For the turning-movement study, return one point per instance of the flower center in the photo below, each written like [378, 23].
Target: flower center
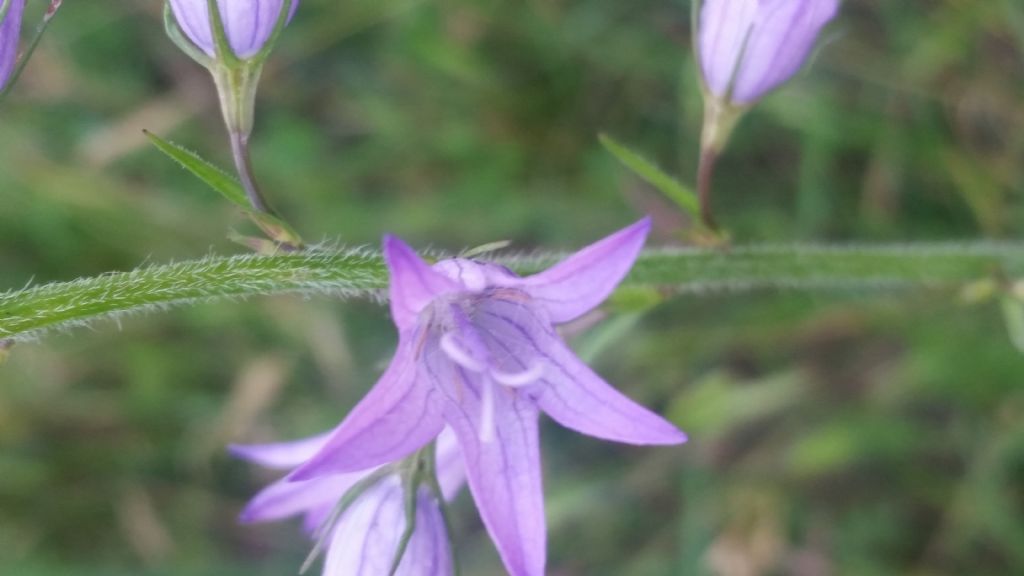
[464, 346]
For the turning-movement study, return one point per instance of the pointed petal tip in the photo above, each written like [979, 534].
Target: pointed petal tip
[252, 513]
[677, 437]
[394, 246]
[240, 451]
[665, 434]
[641, 228]
[247, 516]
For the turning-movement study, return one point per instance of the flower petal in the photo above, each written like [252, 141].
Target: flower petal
[312, 497]
[414, 284]
[568, 390]
[782, 37]
[582, 281]
[398, 416]
[250, 25]
[193, 18]
[505, 476]
[247, 25]
[281, 455]
[451, 472]
[10, 31]
[723, 30]
[577, 398]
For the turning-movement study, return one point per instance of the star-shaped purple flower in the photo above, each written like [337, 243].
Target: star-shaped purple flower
[478, 350]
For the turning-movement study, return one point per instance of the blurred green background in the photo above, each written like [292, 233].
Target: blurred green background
[830, 433]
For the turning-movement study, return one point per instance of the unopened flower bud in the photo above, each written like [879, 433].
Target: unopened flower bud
[231, 38]
[248, 24]
[749, 47]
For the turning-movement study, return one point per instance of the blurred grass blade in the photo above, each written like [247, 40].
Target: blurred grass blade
[653, 175]
[1013, 315]
[228, 187]
[51, 11]
[1015, 18]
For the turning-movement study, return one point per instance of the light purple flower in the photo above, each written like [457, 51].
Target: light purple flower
[365, 538]
[478, 350]
[248, 24]
[749, 47]
[10, 30]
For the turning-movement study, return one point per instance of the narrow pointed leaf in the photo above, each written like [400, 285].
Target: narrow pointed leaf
[225, 184]
[649, 172]
[211, 175]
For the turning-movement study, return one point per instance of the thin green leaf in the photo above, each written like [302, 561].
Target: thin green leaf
[227, 185]
[653, 175]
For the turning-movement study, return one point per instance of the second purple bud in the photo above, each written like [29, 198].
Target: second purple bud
[749, 47]
[248, 24]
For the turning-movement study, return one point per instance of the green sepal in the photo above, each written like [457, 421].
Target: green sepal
[221, 46]
[410, 489]
[485, 249]
[258, 245]
[178, 38]
[228, 187]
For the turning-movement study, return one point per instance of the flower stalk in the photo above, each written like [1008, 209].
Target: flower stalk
[746, 48]
[225, 40]
[28, 313]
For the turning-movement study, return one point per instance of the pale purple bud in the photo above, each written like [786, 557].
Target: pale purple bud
[10, 30]
[367, 539]
[749, 47]
[248, 24]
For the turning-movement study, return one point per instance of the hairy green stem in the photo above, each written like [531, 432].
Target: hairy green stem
[27, 313]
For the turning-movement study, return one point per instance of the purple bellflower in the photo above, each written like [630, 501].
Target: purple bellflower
[478, 351]
[248, 24]
[749, 47]
[10, 30]
[365, 539]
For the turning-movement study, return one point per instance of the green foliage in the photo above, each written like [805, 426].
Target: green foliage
[856, 431]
